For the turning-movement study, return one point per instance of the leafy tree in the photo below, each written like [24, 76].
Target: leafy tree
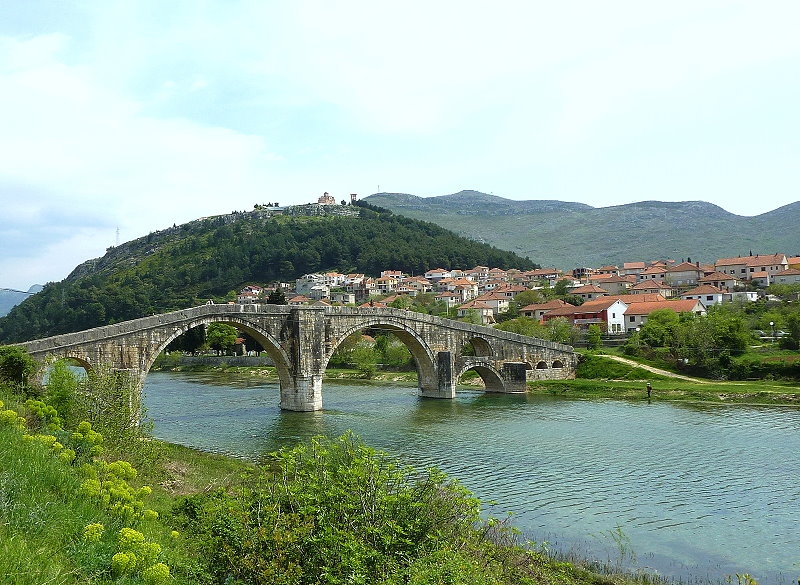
[60, 390]
[221, 336]
[16, 366]
[594, 336]
[561, 331]
[660, 329]
[525, 326]
[561, 287]
[528, 297]
[277, 297]
[793, 328]
[365, 359]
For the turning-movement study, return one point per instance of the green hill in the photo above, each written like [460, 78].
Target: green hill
[566, 235]
[187, 264]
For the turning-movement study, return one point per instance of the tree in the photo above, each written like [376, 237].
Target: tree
[16, 366]
[793, 326]
[277, 297]
[60, 390]
[528, 297]
[365, 359]
[561, 331]
[221, 336]
[561, 287]
[336, 511]
[594, 336]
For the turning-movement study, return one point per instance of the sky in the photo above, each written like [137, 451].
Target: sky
[118, 119]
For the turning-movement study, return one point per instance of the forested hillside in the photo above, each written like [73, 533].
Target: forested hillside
[188, 264]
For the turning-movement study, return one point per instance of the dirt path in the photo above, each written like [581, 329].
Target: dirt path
[655, 370]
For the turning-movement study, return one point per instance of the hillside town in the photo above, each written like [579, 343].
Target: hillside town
[618, 299]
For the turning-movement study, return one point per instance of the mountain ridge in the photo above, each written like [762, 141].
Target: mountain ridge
[566, 235]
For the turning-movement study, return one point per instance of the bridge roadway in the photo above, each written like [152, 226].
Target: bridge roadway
[301, 341]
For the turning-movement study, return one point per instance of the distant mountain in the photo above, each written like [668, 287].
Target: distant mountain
[185, 265]
[565, 235]
[9, 298]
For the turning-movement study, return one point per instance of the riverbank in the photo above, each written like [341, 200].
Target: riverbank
[43, 551]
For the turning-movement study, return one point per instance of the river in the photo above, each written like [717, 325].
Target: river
[688, 491]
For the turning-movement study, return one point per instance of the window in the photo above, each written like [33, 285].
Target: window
[632, 319]
[710, 298]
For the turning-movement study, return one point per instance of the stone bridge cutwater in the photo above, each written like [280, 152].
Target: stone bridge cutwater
[301, 340]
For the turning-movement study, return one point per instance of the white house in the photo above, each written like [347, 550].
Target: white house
[710, 295]
[483, 310]
[437, 274]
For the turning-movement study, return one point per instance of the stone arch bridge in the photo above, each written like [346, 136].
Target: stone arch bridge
[301, 340]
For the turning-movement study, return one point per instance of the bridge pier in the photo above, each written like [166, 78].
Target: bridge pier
[445, 385]
[304, 395]
[515, 377]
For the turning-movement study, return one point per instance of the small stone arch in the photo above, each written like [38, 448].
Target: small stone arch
[492, 380]
[541, 365]
[558, 364]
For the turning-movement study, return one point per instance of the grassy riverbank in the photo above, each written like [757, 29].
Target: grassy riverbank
[54, 529]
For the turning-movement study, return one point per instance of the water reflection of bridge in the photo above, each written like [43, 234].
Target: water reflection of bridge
[301, 341]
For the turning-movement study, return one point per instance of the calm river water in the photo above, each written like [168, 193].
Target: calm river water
[693, 492]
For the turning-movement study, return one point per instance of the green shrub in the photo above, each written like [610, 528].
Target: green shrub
[331, 511]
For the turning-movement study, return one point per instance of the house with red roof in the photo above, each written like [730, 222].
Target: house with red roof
[496, 300]
[648, 287]
[684, 274]
[632, 268]
[636, 314]
[451, 299]
[641, 298]
[655, 272]
[751, 267]
[588, 292]
[298, 301]
[437, 274]
[724, 282]
[537, 310]
[788, 276]
[614, 285]
[607, 312]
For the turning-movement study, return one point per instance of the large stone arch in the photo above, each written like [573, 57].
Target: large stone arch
[421, 352]
[270, 344]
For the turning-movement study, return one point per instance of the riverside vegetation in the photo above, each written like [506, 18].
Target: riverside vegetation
[74, 508]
